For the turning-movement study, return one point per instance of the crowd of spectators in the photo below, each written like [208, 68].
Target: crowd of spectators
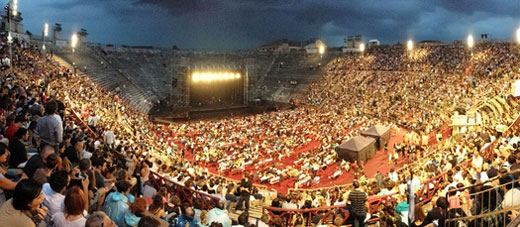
[57, 171]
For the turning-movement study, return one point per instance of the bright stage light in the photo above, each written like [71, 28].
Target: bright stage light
[213, 76]
[195, 77]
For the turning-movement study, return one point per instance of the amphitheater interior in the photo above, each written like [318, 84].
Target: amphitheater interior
[143, 76]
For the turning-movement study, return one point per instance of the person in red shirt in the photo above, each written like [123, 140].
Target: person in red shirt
[13, 127]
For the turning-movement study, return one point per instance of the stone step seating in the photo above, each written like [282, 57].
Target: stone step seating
[110, 78]
[135, 95]
[145, 69]
[255, 212]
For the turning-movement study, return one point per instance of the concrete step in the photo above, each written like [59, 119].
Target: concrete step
[255, 212]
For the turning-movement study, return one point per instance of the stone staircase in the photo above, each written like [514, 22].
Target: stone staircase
[255, 212]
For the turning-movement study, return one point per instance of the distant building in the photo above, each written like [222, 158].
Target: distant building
[82, 36]
[352, 43]
[314, 47]
[57, 40]
[373, 42]
[15, 25]
[283, 45]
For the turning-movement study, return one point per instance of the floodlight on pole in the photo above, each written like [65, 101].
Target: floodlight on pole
[74, 41]
[518, 35]
[409, 45]
[45, 34]
[45, 30]
[471, 41]
[362, 47]
[15, 7]
[321, 49]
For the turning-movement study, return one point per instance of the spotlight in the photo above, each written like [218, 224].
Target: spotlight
[518, 35]
[362, 47]
[470, 41]
[321, 49]
[195, 77]
[409, 45]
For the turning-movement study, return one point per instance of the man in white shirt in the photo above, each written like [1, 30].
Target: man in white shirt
[290, 204]
[393, 175]
[511, 195]
[92, 120]
[52, 193]
[109, 138]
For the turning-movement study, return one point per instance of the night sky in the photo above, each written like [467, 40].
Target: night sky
[244, 24]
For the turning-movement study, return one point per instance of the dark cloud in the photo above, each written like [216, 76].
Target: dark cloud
[249, 23]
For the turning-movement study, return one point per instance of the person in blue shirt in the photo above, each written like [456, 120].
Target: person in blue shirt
[116, 203]
[187, 218]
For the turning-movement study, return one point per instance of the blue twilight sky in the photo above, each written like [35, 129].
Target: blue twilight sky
[242, 24]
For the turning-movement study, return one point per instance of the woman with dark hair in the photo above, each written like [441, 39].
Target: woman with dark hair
[157, 206]
[5, 184]
[419, 216]
[173, 207]
[42, 174]
[31, 131]
[24, 208]
[17, 148]
[148, 221]
[74, 210]
[438, 214]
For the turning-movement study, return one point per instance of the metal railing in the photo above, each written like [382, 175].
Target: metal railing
[321, 214]
[489, 207]
[184, 193]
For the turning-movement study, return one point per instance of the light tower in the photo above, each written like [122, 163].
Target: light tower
[518, 35]
[409, 45]
[471, 43]
[321, 50]
[409, 48]
[45, 34]
[74, 42]
[12, 11]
